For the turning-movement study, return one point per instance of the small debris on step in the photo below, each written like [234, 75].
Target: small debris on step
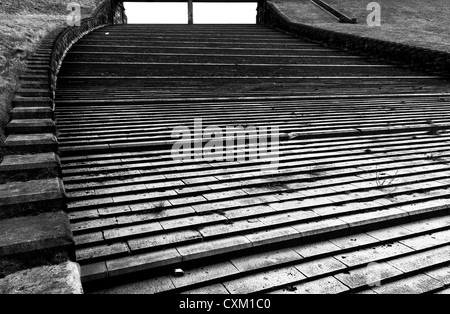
[291, 288]
[178, 272]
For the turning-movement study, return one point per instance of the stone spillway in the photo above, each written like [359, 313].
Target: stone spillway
[360, 195]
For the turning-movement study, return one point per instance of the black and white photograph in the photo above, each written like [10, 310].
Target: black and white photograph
[222, 155]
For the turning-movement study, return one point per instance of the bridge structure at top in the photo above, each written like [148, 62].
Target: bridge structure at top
[190, 4]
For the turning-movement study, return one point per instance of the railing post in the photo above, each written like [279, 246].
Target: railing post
[190, 12]
[112, 14]
[261, 12]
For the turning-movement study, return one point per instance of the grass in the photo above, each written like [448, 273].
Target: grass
[23, 24]
[415, 22]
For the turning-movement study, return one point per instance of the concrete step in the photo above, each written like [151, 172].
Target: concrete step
[31, 197]
[34, 92]
[28, 167]
[20, 102]
[351, 263]
[73, 58]
[35, 241]
[363, 147]
[32, 113]
[38, 66]
[35, 85]
[31, 126]
[41, 280]
[31, 143]
[35, 77]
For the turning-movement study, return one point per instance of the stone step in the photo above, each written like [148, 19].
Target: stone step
[35, 61]
[37, 58]
[40, 73]
[31, 197]
[35, 85]
[34, 66]
[76, 58]
[33, 78]
[444, 291]
[34, 92]
[39, 54]
[62, 279]
[29, 167]
[32, 113]
[227, 244]
[348, 126]
[418, 284]
[35, 241]
[31, 126]
[373, 257]
[31, 143]
[26, 102]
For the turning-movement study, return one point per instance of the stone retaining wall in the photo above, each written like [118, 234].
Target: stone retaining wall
[108, 13]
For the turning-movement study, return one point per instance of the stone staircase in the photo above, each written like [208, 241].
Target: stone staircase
[36, 241]
[360, 196]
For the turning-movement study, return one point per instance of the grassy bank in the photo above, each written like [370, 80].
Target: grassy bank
[23, 24]
[416, 22]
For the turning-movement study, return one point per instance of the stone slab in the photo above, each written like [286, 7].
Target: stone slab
[149, 286]
[215, 247]
[389, 233]
[95, 271]
[26, 165]
[26, 102]
[273, 236]
[48, 231]
[316, 248]
[34, 92]
[372, 275]
[31, 126]
[446, 292]
[374, 217]
[26, 198]
[263, 280]
[354, 241]
[320, 266]
[31, 143]
[373, 254]
[327, 285]
[321, 227]
[204, 274]
[165, 239]
[265, 259]
[142, 262]
[56, 279]
[412, 285]
[441, 274]
[422, 260]
[101, 251]
[213, 289]
[428, 240]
